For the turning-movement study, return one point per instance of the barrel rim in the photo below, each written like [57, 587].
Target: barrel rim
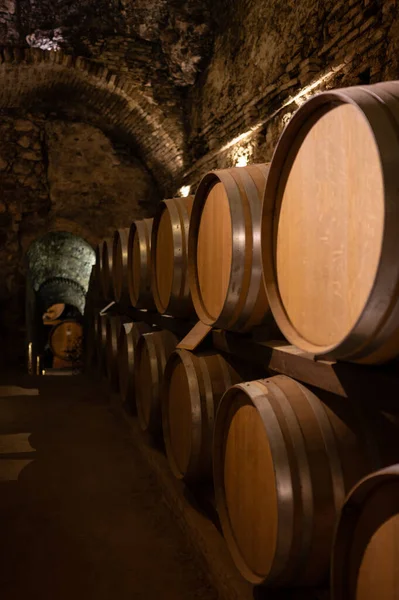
[355, 345]
[53, 330]
[119, 256]
[347, 522]
[107, 266]
[187, 359]
[244, 199]
[180, 293]
[281, 472]
[144, 298]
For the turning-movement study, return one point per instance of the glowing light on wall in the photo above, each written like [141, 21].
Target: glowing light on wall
[185, 190]
[242, 161]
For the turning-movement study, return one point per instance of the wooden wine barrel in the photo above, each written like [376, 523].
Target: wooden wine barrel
[330, 226]
[193, 387]
[152, 353]
[365, 555]
[119, 265]
[225, 263]
[113, 328]
[139, 264]
[169, 251]
[106, 270]
[127, 342]
[284, 461]
[65, 340]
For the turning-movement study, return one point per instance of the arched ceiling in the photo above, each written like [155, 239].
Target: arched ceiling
[123, 65]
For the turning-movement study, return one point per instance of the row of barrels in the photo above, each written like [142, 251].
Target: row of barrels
[312, 238]
[283, 458]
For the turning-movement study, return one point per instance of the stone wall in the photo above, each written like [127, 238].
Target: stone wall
[268, 53]
[65, 176]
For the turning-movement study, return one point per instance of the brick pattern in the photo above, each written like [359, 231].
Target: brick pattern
[121, 107]
[269, 52]
[58, 176]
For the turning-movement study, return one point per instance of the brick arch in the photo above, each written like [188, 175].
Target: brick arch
[30, 73]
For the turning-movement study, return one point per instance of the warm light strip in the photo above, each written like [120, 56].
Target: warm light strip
[292, 100]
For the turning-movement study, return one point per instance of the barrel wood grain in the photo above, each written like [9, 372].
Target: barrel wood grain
[330, 225]
[139, 264]
[169, 257]
[284, 460]
[365, 553]
[225, 270]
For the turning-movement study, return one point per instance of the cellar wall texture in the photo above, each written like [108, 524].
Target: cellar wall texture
[59, 176]
[268, 58]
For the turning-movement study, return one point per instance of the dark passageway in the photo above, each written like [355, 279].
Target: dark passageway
[80, 516]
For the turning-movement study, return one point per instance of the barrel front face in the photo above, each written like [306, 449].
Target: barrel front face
[169, 257]
[245, 483]
[139, 264]
[192, 389]
[128, 339]
[214, 252]
[164, 262]
[225, 266]
[113, 327]
[107, 259]
[119, 264]
[152, 353]
[365, 553]
[179, 420]
[328, 251]
[284, 460]
[66, 340]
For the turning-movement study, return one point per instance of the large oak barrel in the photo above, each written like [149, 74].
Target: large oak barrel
[128, 337]
[152, 353]
[169, 251]
[330, 227]
[106, 268]
[66, 340]
[284, 461]
[193, 387]
[139, 264]
[120, 265]
[225, 263]
[113, 327]
[366, 553]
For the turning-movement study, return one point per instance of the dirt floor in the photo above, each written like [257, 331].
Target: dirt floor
[80, 514]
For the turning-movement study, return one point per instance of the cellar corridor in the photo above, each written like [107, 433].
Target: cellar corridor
[80, 514]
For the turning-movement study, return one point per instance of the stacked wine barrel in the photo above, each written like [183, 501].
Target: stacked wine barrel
[308, 242]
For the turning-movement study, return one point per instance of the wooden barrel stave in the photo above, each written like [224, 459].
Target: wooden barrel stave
[120, 265]
[128, 338]
[169, 257]
[373, 334]
[241, 303]
[364, 557]
[106, 272]
[113, 326]
[66, 340]
[284, 460]
[152, 353]
[189, 402]
[139, 264]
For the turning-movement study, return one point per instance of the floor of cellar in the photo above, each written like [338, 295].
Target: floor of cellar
[81, 514]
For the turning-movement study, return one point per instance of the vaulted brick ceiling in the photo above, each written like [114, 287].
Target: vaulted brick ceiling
[155, 48]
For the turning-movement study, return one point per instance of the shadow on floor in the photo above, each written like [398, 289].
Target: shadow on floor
[80, 515]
